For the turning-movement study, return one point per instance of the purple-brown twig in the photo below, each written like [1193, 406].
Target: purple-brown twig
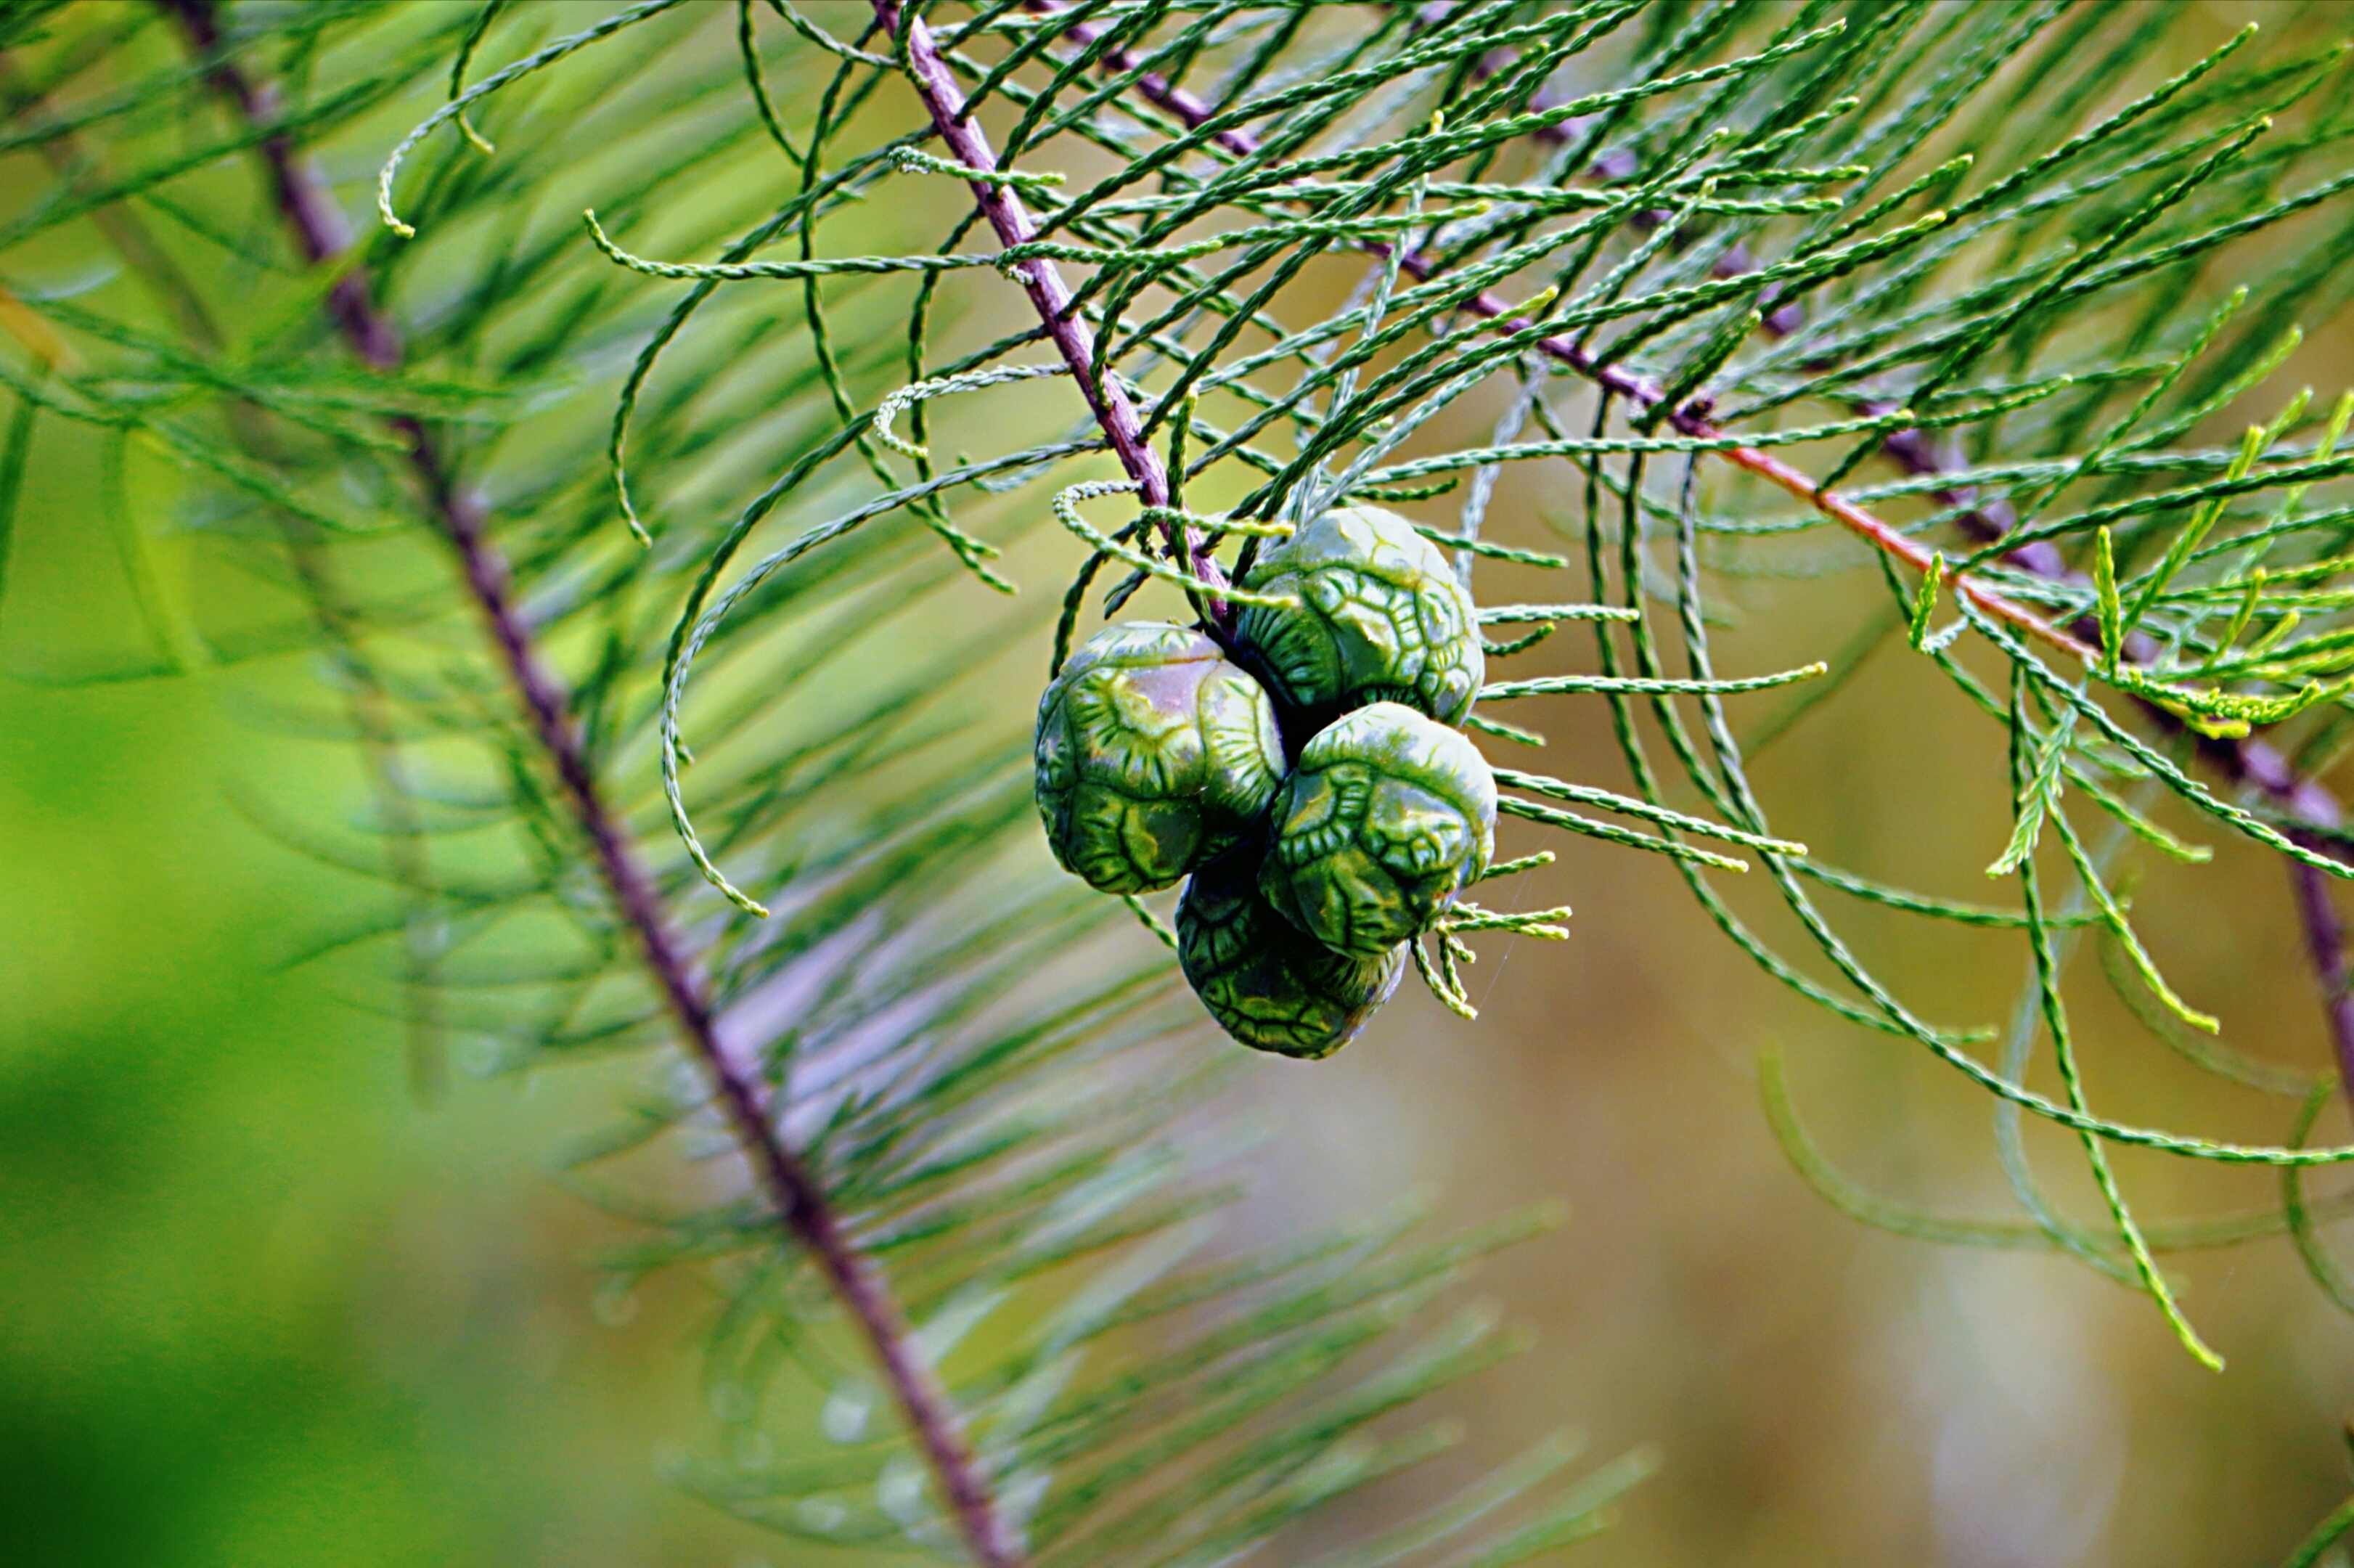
[1042, 281]
[321, 232]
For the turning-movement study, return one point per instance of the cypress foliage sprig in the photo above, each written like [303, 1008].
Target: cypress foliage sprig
[1981, 344]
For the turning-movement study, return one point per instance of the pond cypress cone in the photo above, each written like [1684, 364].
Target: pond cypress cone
[1386, 819]
[1153, 754]
[1381, 617]
[1268, 984]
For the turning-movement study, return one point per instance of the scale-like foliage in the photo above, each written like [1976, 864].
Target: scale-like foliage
[1953, 292]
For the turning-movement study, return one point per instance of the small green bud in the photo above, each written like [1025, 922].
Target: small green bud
[1386, 819]
[1382, 617]
[1271, 987]
[1153, 754]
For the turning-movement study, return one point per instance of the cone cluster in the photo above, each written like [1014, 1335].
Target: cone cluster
[1313, 786]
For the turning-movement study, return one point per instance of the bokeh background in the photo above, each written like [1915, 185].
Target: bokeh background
[263, 1302]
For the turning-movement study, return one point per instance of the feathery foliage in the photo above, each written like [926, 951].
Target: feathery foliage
[1794, 290]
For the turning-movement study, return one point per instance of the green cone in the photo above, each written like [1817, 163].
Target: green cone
[1382, 617]
[1269, 986]
[1153, 754]
[1388, 816]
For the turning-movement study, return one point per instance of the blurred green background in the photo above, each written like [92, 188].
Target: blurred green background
[262, 1303]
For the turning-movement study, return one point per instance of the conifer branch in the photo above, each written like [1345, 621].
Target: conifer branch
[2247, 761]
[1001, 202]
[1642, 393]
[1637, 390]
[1620, 383]
[321, 232]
